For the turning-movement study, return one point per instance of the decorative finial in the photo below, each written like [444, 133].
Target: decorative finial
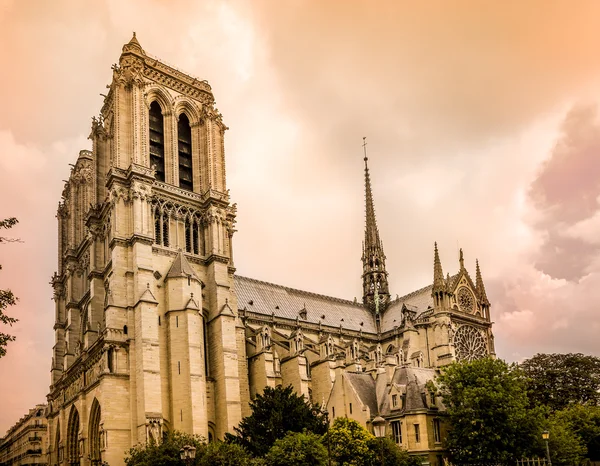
[365, 149]
[461, 259]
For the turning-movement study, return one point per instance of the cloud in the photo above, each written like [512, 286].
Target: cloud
[565, 194]
[30, 189]
[472, 141]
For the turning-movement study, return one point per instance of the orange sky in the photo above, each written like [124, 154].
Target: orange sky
[483, 133]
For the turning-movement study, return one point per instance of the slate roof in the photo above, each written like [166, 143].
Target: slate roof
[420, 300]
[181, 268]
[268, 298]
[413, 380]
[364, 386]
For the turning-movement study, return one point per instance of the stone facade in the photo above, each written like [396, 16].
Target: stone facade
[26, 442]
[155, 332]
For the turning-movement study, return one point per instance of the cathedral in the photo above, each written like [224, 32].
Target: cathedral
[155, 331]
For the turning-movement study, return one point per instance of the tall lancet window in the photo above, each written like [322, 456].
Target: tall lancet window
[157, 141]
[188, 235]
[184, 147]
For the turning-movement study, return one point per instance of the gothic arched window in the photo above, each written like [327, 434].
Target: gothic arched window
[184, 149]
[95, 434]
[195, 236]
[188, 235]
[73, 437]
[161, 226]
[165, 229]
[157, 140]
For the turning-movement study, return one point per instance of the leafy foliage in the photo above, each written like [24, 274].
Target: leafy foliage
[225, 454]
[165, 453]
[566, 448]
[584, 423]
[297, 449]
[559, 380]
[7, 298]
[488, 412]
[393, 455]
[351, 444]
[276, 412]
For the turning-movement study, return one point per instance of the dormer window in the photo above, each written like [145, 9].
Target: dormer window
[394, 401]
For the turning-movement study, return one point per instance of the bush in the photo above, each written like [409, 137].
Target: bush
[297, 449]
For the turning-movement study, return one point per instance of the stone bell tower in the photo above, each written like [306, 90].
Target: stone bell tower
[147, 332]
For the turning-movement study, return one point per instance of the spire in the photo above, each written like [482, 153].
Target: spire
[133, 45]
[479, 285]
[438, 274]
[375, 283]
[371, 231]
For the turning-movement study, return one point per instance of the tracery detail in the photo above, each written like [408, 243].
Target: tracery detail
[469, 343]
[466, 303]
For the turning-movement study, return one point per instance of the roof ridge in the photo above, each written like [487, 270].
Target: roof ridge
[309, 293]
[420, 290]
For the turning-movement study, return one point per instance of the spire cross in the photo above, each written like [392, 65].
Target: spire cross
[365, 149]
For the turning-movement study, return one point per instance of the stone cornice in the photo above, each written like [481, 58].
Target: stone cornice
[249, 317]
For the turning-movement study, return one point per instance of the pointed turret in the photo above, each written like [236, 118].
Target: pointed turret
[483, 299]
[438, 274]
[181, 268]
[439, 289]
[133, 45]
[375, 283]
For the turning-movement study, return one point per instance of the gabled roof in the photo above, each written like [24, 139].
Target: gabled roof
[181, 268]
[411, 381]
[148, 296]
[267, 299]
[364, 386]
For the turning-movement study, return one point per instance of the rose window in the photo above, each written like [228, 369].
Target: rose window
[469, 343]
[465, 300]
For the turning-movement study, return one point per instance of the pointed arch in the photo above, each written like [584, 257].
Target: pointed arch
[56, 454]
[94, 433]
[183, 105]
[156, 139]
[73, 437]
[184, 152]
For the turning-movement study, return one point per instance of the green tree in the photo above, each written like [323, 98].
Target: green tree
[297, 449]
[165, 453]
[559, 380]
[351, 444]
[566, 447]
[393, 455]
[276, 412]
[583, 422]
[7, 298]
[488, 412]
[225, 454]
